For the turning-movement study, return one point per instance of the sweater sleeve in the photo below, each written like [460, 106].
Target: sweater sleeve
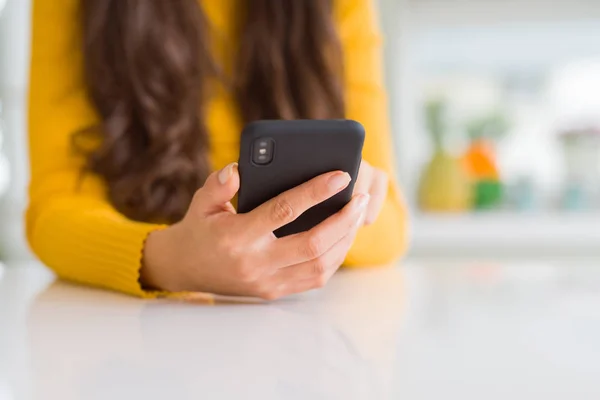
[71, 226]
[386, 240]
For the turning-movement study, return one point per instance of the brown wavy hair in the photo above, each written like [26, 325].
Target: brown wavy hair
[148, 69]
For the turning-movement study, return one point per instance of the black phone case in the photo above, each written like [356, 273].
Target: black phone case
[303, 150]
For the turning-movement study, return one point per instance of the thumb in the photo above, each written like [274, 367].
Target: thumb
[220, 187]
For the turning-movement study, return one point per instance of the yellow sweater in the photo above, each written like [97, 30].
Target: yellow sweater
[71, 225]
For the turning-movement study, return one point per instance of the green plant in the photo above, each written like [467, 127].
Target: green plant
[435, 115]
[492, 126]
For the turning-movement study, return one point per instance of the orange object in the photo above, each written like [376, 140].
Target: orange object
[480, 161]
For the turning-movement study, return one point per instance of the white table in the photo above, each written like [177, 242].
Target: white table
[422, 331]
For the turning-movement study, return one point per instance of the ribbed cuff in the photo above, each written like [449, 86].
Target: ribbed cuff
[89, 242]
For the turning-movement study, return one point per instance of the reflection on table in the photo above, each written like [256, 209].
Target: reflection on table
[337, 343]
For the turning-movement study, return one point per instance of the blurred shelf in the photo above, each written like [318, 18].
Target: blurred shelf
[478, 12]
[567, 234]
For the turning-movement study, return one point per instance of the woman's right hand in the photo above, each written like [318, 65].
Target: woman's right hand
[215, 250]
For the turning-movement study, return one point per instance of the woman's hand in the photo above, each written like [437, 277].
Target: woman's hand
[374, 182]
[215, 250]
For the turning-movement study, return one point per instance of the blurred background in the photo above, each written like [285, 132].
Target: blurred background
[496, 112]
[495, 108]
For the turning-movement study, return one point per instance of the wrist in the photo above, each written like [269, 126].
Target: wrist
[157, 272]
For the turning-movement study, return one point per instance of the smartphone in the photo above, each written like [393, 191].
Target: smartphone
[278, 155]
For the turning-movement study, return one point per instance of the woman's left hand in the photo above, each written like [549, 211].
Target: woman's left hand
[372, 181]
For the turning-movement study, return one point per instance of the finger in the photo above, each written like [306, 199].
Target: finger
[363, 181]
[321, 268]
[289, 205]
[378, 192]
[309, 245]
[309, 275]
[220, 187]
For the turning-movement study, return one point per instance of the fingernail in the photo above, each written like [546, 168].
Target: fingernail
[361, 220]
[225, 174]
[338, 181]
[362, 202]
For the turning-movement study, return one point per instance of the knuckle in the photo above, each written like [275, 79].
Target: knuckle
[257, 288]
[314, 246]
[226, 244]
[195, 208]
[319, 266]
[245, 271]
[282, 210]
[271, 296]
[268, 294]
[321, 281]
[315, 193]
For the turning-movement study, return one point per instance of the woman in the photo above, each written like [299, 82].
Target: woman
[134, 102]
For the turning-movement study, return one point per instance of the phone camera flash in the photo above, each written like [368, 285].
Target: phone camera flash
[263, 151]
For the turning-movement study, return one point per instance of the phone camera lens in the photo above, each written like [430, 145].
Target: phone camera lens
[263, 151]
